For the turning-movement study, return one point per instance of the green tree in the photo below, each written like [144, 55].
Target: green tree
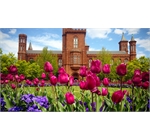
[47, 56]
[6, 61]
[105, 57]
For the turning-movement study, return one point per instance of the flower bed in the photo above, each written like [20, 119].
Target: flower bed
[14, 97]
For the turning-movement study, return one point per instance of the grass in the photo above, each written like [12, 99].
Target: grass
[63, 89]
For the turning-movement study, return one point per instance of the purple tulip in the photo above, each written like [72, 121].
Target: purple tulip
[121, 69]
[96, 66]
[106, 69]
[83, 71]
[53, 80]
[48, 67]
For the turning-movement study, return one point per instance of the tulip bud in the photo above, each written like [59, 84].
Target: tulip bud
[53, 80]
[69, 98]
[117, 96]
[48, 67]
[83, 71]
[13, 86]
[61, 70]
[106, 69]
[105, 82]
[104, 91]
[121, 69]
[96, 66]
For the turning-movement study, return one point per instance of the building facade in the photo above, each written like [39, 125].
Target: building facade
[75, 53]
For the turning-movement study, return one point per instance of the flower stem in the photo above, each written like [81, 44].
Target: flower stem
[121, 82]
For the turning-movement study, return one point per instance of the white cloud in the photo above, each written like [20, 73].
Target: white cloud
[110, 39]
[12, 31]
[93, 49]
[129, 31]
[3, 35]
[132, 30]
[143, 43]
[119, 31]
[98, 33]
[148, 32]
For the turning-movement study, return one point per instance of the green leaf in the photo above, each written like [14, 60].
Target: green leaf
[8, 102]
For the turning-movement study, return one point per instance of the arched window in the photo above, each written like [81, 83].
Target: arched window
[75, 42]
[60, 62]
[90, 60]
[20, 48]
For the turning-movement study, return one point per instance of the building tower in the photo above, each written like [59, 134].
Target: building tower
[132, 48]
[123, 44]
[22, 47]
[73, 50]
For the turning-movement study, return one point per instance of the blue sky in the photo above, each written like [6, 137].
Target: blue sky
[96, 38]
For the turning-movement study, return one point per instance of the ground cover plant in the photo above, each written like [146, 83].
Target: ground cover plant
[62, 93]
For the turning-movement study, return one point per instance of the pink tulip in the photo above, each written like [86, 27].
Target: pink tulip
[83, 71]
[63, 78]
[69, 98]
[13, 86]
[105, 82]
[53, 80]
[91, 83]
[106, 69]
[104, 91]
[83, 85]
[48, 67]
[22, 77]
[13, 69]
[43, 76]
[61, 70]
[71, 80]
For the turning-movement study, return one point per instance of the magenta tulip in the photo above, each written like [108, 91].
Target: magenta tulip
[42, 83]
[91, 83]
[63, 78]
[83, 71]
[61, 70]
[96, 66]
[43, 75]
[69, 98]
[146, 85]
[96, 90]
[22, 77]
[137, 79]
[10, 77]
[13, 86]
[117, 96]
[137, 72]
[104, 91]
[48, 67]
[129, 82]
[145, 76]
[53, 80]
[106, 69]
[13, 69]
[105, 82]
[83, 85]
[50, 74]
[28, 82]
[121, 69]
[71, 80]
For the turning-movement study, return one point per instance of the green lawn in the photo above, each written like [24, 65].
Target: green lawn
[75, 89]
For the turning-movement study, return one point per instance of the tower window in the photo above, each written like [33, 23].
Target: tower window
[60, 62]
[75, 42]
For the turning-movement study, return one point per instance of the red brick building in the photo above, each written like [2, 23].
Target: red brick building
[75, 52]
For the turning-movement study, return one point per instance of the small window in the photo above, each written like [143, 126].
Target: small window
[60, 62]
[90, 60]
[75, 42]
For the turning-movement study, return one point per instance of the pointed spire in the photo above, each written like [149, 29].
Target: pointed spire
[30, 46]
[132, 38]
[123, 38]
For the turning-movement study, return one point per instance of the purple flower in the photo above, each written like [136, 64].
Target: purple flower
[15, 109]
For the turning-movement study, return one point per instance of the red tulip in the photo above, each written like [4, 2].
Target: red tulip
[48, 67]
[146, 85]
[69, 98]
[96, 66]
[83, 71]
[121, 69]
[53, 80]
[106, 69]
[117, 96]
[105, 82]
[104, 91]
